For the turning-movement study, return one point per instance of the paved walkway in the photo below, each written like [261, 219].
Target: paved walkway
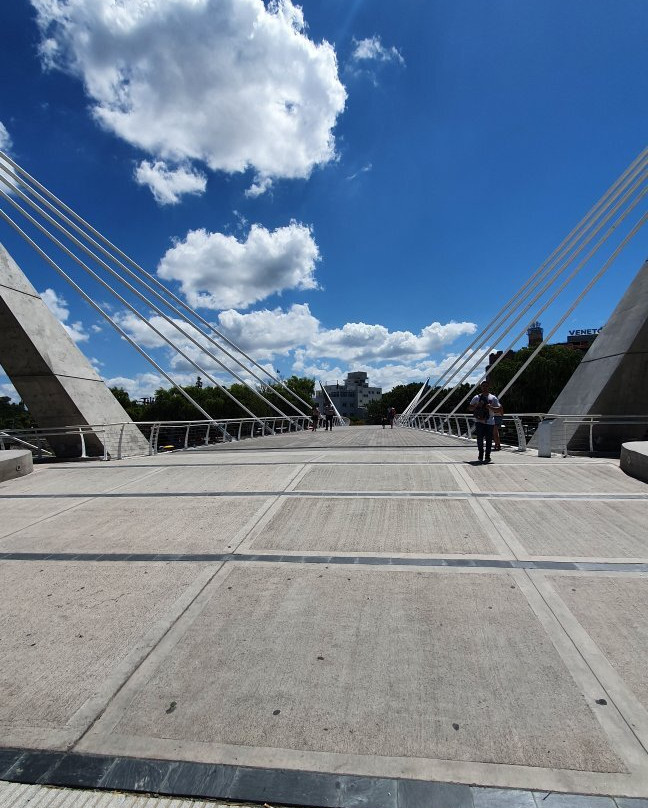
[323, 616]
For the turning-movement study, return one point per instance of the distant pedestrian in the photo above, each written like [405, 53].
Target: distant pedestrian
[315, 416]
[329, 414]
[484, 406]
[391, 414]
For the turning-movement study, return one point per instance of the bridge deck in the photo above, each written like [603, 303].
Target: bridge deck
[365, 602]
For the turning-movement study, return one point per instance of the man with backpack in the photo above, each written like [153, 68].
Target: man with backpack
[484, 407]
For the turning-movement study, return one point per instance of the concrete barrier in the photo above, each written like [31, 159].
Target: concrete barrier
[634, 459]
[15, 463]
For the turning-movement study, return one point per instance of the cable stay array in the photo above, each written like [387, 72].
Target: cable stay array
[181, 328]
[618, 215]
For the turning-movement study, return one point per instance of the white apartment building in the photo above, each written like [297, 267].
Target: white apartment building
[351, 397]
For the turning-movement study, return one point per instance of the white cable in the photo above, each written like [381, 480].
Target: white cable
[129, 306]
[151, 277]
[133, 275]
[558, 254]
[572, 275]
[574, 305]
[139, 295]
[551, 282]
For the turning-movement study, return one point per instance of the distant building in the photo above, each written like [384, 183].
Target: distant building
[351, 397]
[535, 334]
[578, 339]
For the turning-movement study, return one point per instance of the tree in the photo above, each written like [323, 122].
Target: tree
[541, 383]
[14, 416]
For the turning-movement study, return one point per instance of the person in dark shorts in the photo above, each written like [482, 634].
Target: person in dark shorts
[484, 407]
[329, 414]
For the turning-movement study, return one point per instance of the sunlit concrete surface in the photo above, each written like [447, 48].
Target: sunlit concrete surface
[368, 602]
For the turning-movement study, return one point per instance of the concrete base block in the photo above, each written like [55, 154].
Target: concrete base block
[634, 459]
[15, 463]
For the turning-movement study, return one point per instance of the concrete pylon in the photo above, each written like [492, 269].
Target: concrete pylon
[55, 380]
[612, 379]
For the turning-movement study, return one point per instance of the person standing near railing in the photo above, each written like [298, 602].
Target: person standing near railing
[329, 413]
[484, 407]
[315, 416]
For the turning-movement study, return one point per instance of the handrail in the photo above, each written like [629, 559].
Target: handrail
[564, 436]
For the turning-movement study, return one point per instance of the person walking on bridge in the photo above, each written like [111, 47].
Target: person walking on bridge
[329, 414]
[484, 407]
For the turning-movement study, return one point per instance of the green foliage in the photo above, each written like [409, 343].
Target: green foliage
[171, 405]
[541, 383]
[14, 416]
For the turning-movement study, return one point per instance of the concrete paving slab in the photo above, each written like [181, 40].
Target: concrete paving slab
[458, 671]
[599, 478]
[365, 525]
[79, 479]
[18, 513]
[143, 525]
[377, 478]
[592, 529]
[613, 609]
[209, 457]
[64, 628]
[216, 479]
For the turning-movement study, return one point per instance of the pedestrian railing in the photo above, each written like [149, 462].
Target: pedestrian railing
[131, 439]
[549, 433]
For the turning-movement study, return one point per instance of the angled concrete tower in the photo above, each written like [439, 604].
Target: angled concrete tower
[54, 379]
[612, 379]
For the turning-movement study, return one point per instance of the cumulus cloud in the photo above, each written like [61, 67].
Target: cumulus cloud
[7, 389]
[267, 333]
[361, 342]
[234, 84]
[59, 308]
[168, 184]
[296, 335]
[6, 181]
[217, 271]
[270, 333]
[142, 385]
[371, 49]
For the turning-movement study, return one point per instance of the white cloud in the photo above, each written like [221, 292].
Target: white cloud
[360, 342]
[6, 181]
[59, 308]
[5, 140]
[360, 171]
[218, 271]
[142, 385]
[234, 84]
[7, 389]
[371, 49]
[168, 184]
[267, 333]
[270, 333]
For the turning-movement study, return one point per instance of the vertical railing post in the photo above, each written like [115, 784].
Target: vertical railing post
[591, 437]
[120, 441]
[83, 446]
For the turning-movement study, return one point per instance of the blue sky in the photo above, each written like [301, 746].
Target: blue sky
[342, 185]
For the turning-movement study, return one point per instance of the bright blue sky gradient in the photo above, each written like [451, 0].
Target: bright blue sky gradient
[464, 157]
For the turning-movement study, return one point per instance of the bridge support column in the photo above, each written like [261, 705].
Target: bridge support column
[55, 380]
